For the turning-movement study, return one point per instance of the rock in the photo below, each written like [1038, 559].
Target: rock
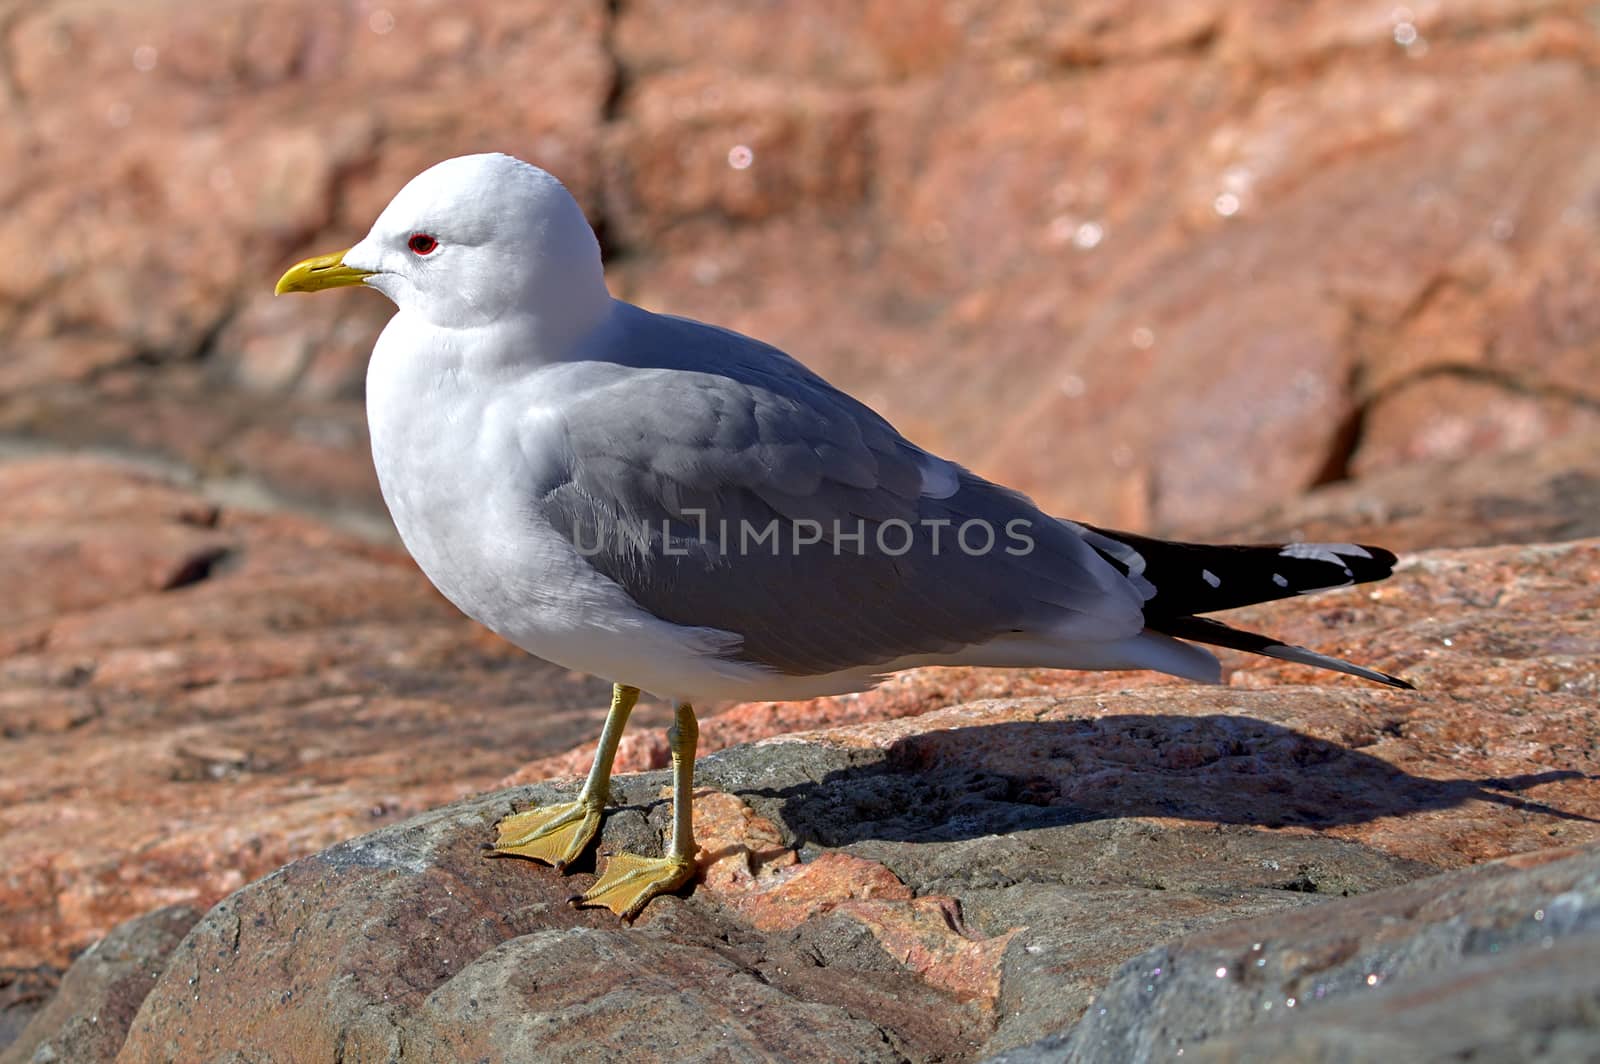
[88, 1018]
[23, 992]
[165, 687]
[1542, 495]
[192, 694]
[1308, 260]
[85, 533]
[1448, 417]
[1192, 341]
[411, 944]
[957, 883]
[1163, 268]
[227, 140]
[1494, 962]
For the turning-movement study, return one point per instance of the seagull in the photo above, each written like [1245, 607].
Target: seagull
[689, 512]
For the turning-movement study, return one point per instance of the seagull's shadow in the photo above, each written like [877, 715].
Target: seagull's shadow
[964, 783]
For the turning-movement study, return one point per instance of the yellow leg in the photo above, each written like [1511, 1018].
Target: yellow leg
[557, 834]
[630, 881]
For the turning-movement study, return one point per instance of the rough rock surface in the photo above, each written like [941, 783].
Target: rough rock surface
[221, 691]
[1160, 267]
[954, 884]
[88, 1018]
[1495, 963]
[1310, 258]
[1543, 495]
[191, 695]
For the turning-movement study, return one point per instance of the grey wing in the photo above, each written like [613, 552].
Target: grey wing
[783, 511]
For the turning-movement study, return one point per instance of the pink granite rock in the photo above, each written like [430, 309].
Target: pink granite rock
[1202, 257]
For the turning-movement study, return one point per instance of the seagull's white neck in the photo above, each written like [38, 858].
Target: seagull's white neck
[428, 356]
[568, 308]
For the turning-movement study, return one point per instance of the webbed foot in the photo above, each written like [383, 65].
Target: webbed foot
[630, 881]
[554, 834]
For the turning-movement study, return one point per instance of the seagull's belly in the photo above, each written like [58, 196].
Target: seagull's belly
[509, 571]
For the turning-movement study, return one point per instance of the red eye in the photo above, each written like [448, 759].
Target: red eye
[422, 243]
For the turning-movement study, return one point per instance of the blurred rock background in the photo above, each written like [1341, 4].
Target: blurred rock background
[1327, 268]
[1160, 267]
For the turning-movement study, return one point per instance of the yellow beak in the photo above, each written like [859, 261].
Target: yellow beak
[323, 271]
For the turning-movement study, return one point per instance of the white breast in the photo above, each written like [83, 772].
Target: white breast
[446, 446]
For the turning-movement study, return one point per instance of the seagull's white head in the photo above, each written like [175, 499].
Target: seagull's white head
[473, 240]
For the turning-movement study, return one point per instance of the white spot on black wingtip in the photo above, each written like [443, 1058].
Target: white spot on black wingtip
[1211, 578]
[1280, 580]
[1324, 552]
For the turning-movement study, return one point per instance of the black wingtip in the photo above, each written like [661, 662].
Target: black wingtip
[1303, 656]
[1188, 579]
[1379, 566]
[1215, 633]
[1395, 681]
